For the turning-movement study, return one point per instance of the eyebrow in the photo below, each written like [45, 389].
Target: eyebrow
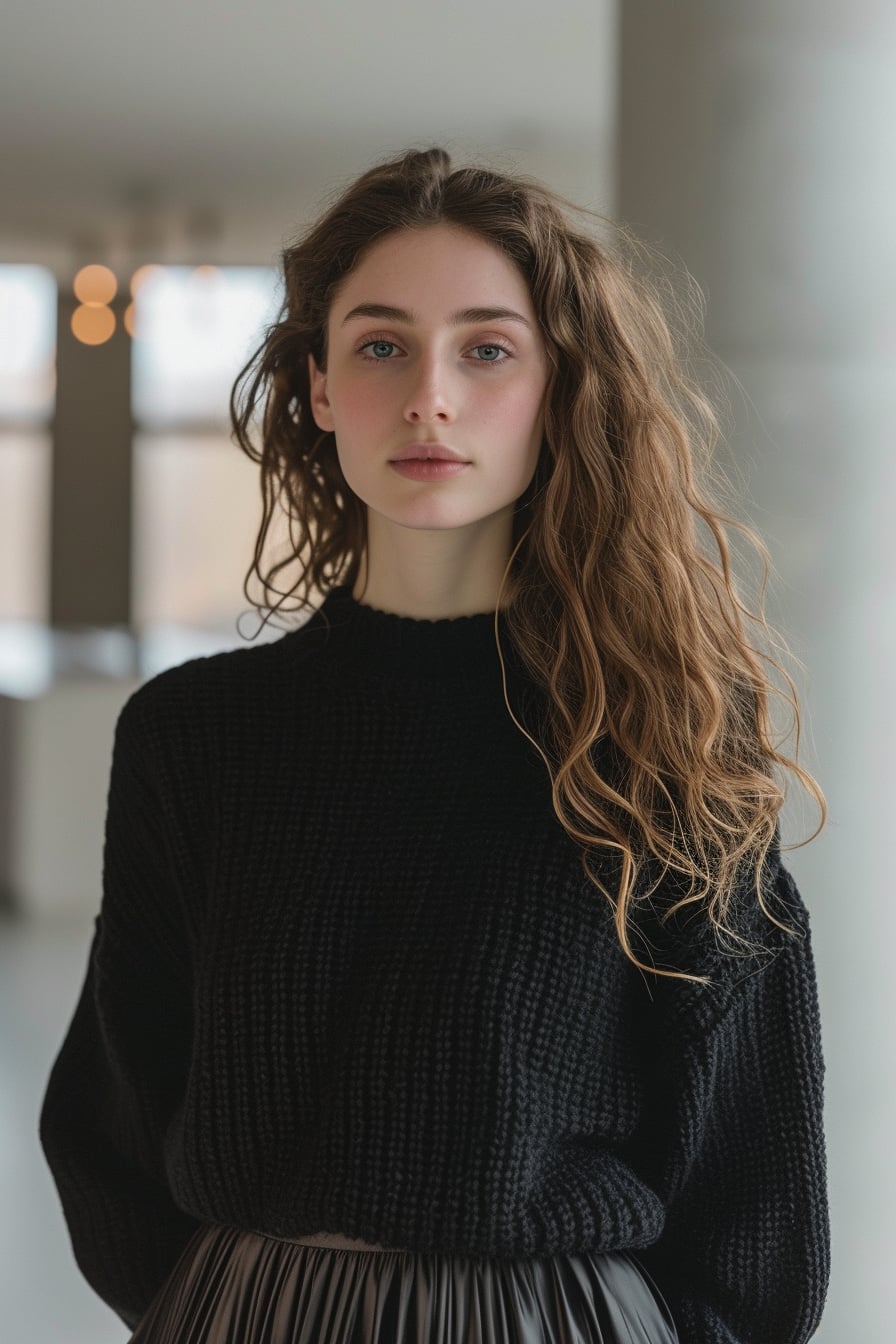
[458, 319]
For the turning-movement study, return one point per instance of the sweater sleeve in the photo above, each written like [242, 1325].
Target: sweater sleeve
[120, 1071]
[738, 1148]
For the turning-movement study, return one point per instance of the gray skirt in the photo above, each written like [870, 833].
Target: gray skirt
[236, 1287]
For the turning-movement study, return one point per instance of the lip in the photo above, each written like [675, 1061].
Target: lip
[432, 469]
[427, 452]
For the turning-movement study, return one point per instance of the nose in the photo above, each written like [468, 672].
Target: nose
[429, 396]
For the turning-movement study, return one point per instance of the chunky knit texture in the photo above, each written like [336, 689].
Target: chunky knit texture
[348, 975]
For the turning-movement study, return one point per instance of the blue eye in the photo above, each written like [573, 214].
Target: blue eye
[381, 356]
[379, 343]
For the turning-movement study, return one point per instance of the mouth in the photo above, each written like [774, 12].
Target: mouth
[428, 452]
[428, 469]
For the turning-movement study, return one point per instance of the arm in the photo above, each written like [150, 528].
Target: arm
[738, 1150]
[120, 1070]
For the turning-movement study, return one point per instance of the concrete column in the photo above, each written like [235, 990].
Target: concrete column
[90, 568]
[755, 145]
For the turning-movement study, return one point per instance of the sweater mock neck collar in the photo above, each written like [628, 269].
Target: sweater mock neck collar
[413, 648]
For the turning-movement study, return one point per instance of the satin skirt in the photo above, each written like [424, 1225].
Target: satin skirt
[236, 1287]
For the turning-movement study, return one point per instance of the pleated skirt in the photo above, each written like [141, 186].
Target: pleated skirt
[236, 1287]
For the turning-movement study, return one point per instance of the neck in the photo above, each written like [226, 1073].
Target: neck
[434, 574]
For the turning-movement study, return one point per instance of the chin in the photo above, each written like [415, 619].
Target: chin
[426, 513]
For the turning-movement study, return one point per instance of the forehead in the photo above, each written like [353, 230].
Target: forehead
[438, 266]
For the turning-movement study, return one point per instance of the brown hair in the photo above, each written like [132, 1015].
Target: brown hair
[631, 626]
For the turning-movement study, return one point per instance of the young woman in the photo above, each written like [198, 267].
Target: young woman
[447, 983]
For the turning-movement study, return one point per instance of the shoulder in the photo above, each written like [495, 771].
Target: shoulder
[221, 689]
[738, 968]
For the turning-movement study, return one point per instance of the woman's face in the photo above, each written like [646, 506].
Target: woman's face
[410, 360]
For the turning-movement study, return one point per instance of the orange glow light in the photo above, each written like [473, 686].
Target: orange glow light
[129, 319]
[92, 324]
[95, 284]
[142, 273]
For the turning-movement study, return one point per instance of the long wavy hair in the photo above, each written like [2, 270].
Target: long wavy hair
[619, 593]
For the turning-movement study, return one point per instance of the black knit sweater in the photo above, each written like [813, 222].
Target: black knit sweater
[348, 975]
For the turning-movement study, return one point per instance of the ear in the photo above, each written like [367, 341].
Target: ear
[320, 406]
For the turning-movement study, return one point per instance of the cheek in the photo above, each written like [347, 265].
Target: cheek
[516, 417]
[357, 404]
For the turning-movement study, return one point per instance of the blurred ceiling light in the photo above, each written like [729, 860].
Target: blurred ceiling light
[129, 319]
[92, 324]
[141, 274]
[95, 284]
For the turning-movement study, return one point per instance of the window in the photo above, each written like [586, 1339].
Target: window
[27, 395]
[196, 495]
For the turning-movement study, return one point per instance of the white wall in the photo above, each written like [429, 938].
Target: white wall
[756, 145]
